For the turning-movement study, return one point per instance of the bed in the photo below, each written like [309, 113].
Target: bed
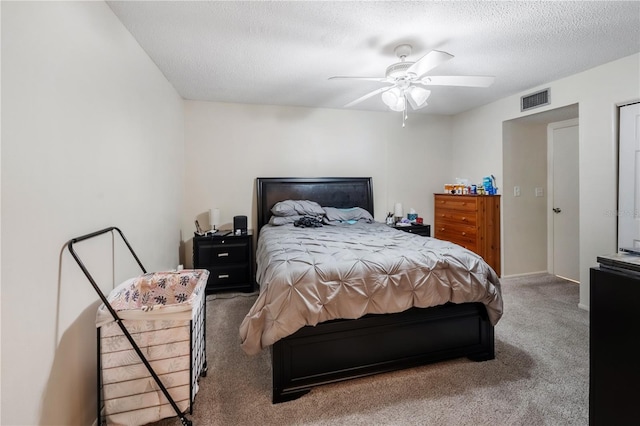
[354, 298]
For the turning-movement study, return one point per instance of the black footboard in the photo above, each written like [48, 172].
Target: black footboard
[346, 349]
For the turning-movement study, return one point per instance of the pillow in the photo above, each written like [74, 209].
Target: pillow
[283, 220]
[297, 208]
[347, 215]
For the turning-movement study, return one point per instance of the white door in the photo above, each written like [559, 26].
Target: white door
[629, 177]
[563, 200]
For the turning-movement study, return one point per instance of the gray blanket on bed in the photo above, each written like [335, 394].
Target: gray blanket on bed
[311, 275]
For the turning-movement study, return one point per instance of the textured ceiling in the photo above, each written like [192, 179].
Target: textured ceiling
[282, 53]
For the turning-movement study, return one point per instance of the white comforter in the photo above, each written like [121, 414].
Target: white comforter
[311, 275]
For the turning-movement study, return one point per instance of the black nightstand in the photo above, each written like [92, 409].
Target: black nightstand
[422, 230]
[229, 260]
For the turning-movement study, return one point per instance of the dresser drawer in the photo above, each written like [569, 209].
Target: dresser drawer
[456, 216]
[452, 228]
[469, 246]
[456, 202]
[456, 233]
[467, 243]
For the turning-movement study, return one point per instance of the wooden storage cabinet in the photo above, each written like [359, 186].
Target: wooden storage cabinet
[472, 221]
[229, 260]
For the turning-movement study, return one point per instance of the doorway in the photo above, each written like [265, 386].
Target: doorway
[526, 194]
[563, 207]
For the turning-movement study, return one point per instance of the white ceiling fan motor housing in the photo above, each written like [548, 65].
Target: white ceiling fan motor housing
[399, 69]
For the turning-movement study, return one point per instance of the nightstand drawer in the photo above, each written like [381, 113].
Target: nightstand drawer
[423, 230]
[227, 275]
[217, 254]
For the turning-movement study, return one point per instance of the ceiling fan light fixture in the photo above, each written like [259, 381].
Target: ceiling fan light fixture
[399, 105]
[419, 95]
[391, 97]
[405, 79]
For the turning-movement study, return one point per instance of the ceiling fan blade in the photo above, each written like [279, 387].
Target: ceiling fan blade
[368, 95]
[381, 79]
[458, 80]
[429, 62]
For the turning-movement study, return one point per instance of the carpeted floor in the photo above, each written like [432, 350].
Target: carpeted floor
[540, 375]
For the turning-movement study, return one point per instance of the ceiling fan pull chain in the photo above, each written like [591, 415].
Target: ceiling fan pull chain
[404, 112]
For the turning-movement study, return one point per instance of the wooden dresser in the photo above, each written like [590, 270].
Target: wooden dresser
[472, 221]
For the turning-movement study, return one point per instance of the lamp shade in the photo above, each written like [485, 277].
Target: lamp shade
[419, 95]
[390, 97]
[399, 105]
[397, 210]
[214, 218]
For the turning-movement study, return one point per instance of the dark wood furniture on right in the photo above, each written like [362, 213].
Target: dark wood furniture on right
[614, 325]
[472, 221]
[344, 349]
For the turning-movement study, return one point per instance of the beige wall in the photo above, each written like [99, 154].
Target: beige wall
[92, 136]
[597, 92]
[228, 145]
[524, 222]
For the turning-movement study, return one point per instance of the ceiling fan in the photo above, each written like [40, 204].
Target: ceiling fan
[405, 81]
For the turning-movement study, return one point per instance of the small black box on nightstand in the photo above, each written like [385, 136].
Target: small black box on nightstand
[240, 224]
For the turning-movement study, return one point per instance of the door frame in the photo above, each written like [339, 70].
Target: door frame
[550, 246]
[620, 203]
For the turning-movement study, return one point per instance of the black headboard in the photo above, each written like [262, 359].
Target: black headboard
[328, 192]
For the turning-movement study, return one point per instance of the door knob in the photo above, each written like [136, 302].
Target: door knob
[556, 210]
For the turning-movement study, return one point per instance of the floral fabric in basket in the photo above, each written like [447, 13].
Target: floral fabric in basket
[155, 288]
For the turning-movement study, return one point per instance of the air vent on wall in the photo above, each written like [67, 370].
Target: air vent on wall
[535, 100]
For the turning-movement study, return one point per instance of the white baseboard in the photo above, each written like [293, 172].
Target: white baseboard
[526, 274]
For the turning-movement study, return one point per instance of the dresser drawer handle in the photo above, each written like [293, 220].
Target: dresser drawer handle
[464, 218]
[223, 276]
[442, 229]
[464, 233]
[223, 254]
